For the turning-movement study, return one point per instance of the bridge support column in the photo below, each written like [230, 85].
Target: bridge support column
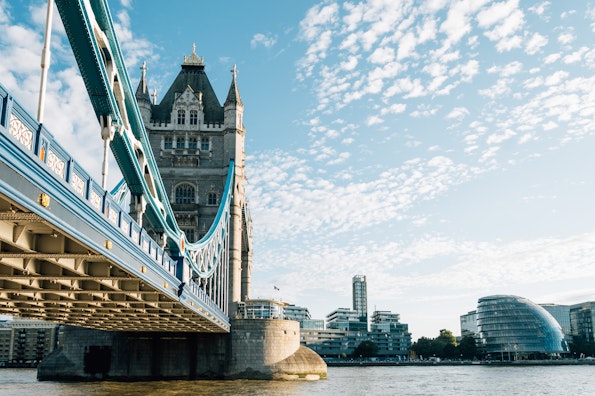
[255, 349]
[270, 349]
[90, 355]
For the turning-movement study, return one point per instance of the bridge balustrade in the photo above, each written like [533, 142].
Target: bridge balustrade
[39, 143]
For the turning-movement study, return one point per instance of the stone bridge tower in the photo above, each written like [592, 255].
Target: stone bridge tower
[194, 138]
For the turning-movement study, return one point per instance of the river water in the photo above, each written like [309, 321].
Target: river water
[344, 381]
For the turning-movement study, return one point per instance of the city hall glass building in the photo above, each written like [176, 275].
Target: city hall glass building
[512, 327]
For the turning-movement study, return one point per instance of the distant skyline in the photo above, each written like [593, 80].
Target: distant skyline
[444, 149]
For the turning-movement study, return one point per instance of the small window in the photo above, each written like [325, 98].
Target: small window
[185, 194]
[204, 144]
[212, 199]
[168, 143]
[193, 117]
[180, 143]
[189, 234]
[192, 143]
[181, 117]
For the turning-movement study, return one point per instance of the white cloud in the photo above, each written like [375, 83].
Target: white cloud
[374, 120]
[499, 138]
[382, 55]
[535, 43]
[395, 108]
[458, 113]
[566, 37]
[265, 40]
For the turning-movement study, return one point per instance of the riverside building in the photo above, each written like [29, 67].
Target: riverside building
[360, 298]
[512, 328]
[582, 321]
[26, 341]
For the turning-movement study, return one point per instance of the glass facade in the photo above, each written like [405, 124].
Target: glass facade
[514, 326]
[360, 298]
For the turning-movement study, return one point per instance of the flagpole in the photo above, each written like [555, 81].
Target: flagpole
[45, 61]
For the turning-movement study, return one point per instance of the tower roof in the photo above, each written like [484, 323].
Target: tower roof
[193, 75]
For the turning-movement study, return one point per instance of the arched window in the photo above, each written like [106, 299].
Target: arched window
[181, 117]
[212, 198]
[193, 117]
[185, 194]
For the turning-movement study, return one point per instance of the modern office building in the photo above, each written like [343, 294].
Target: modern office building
[582, 320]
[512, 327]
[469, 323]
[345, 319]
[296, 313]
[312, 324]
[332, 342]
[261, 309]
[25, 342]
[562, 315]
[345, 332]
[360, 298]
[390, 335]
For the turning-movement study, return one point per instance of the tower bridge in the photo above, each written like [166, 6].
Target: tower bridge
[152, 290]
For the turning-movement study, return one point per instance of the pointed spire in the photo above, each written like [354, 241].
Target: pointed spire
[233, 96]
[144, 76]
[142, 92]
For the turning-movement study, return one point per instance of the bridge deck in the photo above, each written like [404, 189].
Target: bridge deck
[68, 254]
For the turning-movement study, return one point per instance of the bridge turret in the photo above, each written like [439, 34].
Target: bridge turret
[233, 143]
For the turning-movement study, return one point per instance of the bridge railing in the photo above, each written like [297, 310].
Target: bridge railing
[39, 143]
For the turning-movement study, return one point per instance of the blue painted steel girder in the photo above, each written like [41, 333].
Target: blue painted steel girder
[77, 25]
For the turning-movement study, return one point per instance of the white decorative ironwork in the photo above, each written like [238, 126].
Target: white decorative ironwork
[125, 226]
[113, 216]
[56, 164]
[95, 200]
[21, 132]
[78, 184]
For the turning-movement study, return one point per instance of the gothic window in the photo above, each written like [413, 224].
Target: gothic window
[212, 198]
[181, 117]
[180, 143]
[192, 143]
[204, 144]
[193, 117]
[185, 194]
[168, 143]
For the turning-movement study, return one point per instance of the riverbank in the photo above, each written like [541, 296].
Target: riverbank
[369, 362]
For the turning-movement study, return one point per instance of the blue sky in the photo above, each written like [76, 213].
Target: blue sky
[444, 149]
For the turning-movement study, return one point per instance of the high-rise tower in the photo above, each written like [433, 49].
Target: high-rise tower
[360, 297]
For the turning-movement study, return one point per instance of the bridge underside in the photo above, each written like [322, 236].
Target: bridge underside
[45, 274]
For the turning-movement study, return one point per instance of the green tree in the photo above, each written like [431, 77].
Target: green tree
[467, 347]
[366, 349]
[423, 347]
[445, 345]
